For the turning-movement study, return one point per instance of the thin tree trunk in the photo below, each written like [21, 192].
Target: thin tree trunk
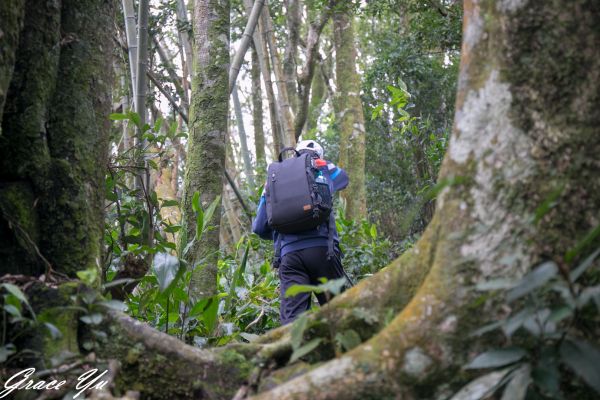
[132, 45]
[257, 118]
[349, 115]
[142, 60]
[166, 60]
[243, 140]
[283, 102]
[293, 19]
[208, 130]
[253, 17]
[262, 52]
[184, 36]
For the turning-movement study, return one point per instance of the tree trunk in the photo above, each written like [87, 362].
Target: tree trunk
[349, 115]
[257, 119]
[54, 138]
[260, 46]
[208, 128]
[283, 101]
[525, 126]
[243, 139]
[293, 19]
[11, 15]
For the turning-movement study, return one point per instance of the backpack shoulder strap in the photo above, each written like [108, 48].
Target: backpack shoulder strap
[287, 149]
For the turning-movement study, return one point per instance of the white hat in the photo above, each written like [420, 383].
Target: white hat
[310, 145]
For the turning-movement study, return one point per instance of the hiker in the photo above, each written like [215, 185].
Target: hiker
[304, 256]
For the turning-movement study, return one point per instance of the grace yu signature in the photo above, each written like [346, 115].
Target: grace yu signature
[21, 381]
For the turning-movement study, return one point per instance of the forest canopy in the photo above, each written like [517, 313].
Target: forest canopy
[137, 145]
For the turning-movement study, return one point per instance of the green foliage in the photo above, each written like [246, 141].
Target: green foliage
[18, 320]
[246, 303]
[409, 46]
[133, 221]
[365, 250]
[551, 333]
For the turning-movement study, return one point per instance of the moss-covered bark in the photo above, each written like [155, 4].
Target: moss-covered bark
[208, 127]
[160, 366]
[54, 142]
[257, 119]
[78, 130]
[11, 15]
[349, 114]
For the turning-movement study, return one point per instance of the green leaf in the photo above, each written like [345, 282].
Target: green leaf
[348, 339]
[170, 203]
[208, 214]
[6, 351]
[196, 202]
[165, 267]
[581, 268]
[298, 328]
[495, 284]
[297, 289]
[12, 310]
[198, 308]
[117, 116]
[55, 333]
[304, 350]
[117, 282]
[92, 319]
[589, 238]
[373, 231]
[514, 322]
[135, 118]
[516, 389]
[210, 314]
[114, 305]
[583, 358]
[547, 376]
[249, 336]
[497, 358]
[533, 280]
[158, 124]
[15, 291]
[483, 386]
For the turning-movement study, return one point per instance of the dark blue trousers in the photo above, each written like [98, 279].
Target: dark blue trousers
[305, 267]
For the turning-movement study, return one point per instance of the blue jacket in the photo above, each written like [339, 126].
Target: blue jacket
[338, 180]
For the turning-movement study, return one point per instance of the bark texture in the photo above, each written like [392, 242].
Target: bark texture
[349, 115]
[257, 119]
[54, 139]
[524, 126]
[208, 127]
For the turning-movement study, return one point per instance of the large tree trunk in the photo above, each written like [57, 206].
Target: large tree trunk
[208, 127]
[525, 126]
[349, 115]
[54, 137]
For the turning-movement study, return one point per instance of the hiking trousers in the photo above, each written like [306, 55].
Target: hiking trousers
[305, 267]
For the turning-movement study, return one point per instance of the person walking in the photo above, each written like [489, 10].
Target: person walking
[304, 257]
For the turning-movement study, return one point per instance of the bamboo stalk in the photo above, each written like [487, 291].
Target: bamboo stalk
[132, 44]
[244, 43]
[243, 141]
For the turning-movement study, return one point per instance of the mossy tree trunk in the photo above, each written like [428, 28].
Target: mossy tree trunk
[349, 114]
[525, 126]
[208, 128]
[257, 118]
[54, 140]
